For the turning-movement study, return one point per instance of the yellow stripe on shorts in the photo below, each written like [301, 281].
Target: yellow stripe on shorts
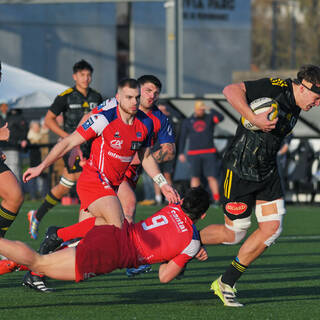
[227, 184]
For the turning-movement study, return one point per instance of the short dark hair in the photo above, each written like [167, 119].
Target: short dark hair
[310, 73]
[128, 82]
[150, 78]
[196, 202]
[82, 65]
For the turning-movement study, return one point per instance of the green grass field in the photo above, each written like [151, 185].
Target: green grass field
[284, 283]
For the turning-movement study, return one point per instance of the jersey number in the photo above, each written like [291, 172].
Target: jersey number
[157, 221]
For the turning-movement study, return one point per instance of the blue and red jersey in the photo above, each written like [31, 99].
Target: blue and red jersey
[162, 131]
[115, 143]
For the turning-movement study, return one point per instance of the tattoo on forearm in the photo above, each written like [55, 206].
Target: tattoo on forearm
[161, 156]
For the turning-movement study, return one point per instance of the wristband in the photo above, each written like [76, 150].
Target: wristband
[160, 180]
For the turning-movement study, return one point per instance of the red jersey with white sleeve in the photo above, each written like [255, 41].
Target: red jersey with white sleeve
[162, 129]
[114, 142]
[167, 235]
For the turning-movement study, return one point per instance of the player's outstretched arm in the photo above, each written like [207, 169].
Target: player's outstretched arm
[151, 167]
[168, 271]
[59, 150]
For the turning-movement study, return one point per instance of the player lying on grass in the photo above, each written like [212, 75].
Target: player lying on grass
[169, 236]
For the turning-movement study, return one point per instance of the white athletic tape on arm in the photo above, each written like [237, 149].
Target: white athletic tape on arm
[160, 180]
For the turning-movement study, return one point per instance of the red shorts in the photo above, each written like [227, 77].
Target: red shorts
[102, 250]
[92, 185]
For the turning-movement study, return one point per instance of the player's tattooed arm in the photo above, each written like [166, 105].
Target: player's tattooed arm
[165, 153]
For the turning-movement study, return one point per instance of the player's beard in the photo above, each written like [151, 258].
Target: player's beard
[128, 110]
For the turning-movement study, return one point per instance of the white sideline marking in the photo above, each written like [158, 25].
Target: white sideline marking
[300, 238]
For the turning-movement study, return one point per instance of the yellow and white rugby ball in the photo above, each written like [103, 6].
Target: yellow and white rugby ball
[259, 106]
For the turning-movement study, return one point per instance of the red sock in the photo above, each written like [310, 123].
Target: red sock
[216, 197]
[37, 274]
[22, 268]
[77, 230]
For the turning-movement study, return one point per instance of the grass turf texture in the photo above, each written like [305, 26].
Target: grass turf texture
[284, 283]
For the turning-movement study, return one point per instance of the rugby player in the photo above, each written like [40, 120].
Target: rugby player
[169, 236]
[73, 103]
[10, 190]
[251, 177]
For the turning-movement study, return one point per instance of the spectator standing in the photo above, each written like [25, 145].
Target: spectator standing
[202, 154]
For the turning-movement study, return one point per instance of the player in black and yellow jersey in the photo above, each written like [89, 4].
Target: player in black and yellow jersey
[250, 170]
[73, 103]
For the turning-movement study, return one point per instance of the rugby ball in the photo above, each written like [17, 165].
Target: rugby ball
[259, 106]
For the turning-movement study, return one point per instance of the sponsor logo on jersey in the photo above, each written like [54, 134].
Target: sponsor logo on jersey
[180, 223]
[75, 106]
[117, 134]
[116, 144]
[199, 126]
[236, 208]
[136, 145]
[169, 130]
[87, 124]
[121, 158]
[85, 105]
[139, 134]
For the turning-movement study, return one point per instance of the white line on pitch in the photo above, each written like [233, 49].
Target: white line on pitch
[300, 238]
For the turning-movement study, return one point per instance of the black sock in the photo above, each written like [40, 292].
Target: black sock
[233, 273]
[49, 202]
[6, 219]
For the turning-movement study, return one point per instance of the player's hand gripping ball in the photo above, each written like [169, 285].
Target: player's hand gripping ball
[259, 106]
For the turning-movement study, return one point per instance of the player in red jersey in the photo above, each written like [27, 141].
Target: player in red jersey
[163, 132]
[118, 134]
[168, 236]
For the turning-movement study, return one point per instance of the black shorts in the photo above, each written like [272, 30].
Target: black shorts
[206, 164]
[238, 196]
[76, 167]
[3, 167]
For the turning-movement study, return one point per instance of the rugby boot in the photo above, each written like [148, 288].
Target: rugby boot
[226, 293]
[51, 241]
[35, 282]
[33, 224]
